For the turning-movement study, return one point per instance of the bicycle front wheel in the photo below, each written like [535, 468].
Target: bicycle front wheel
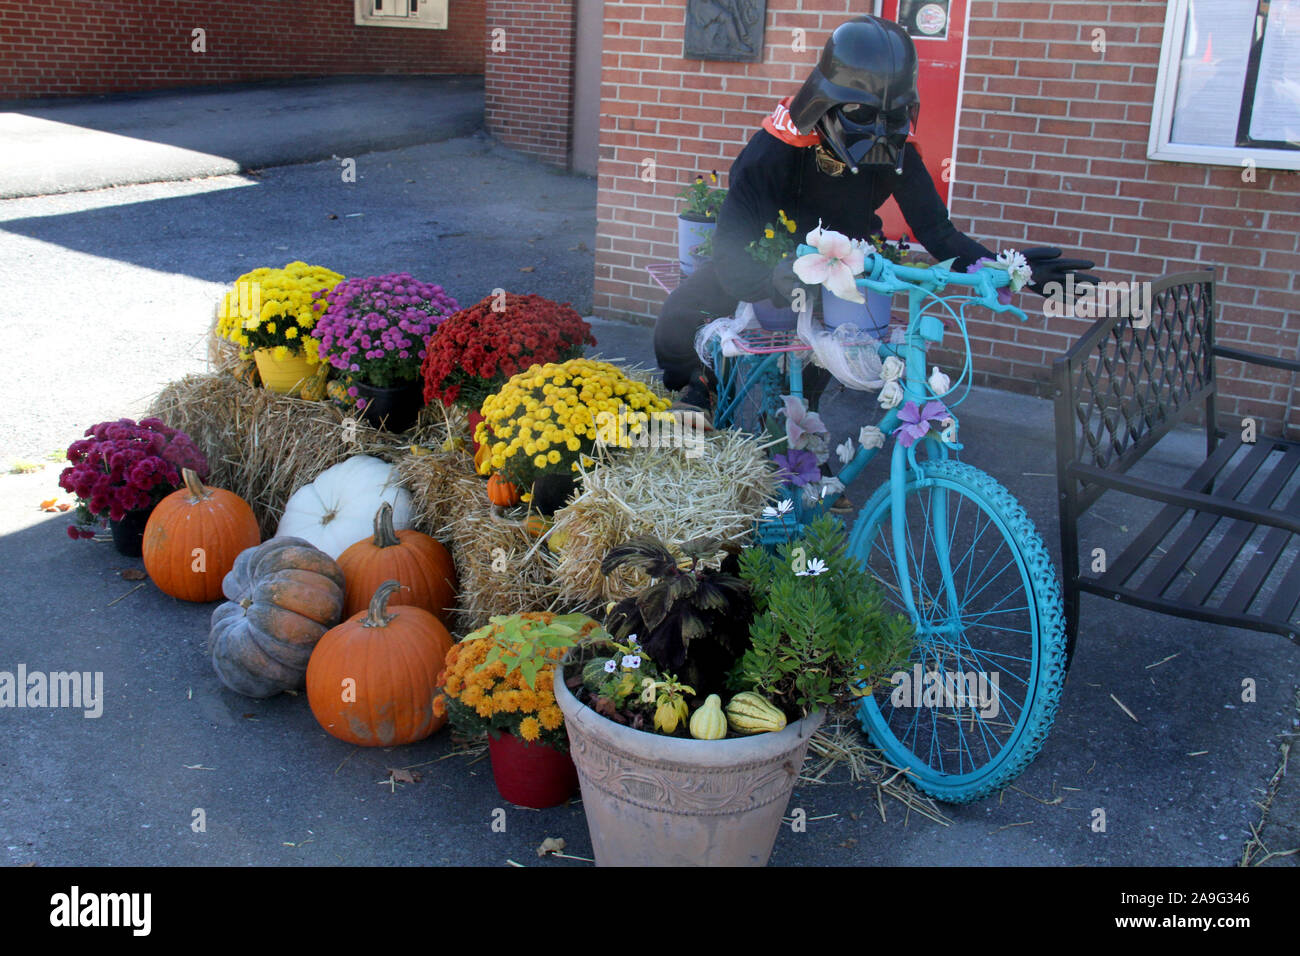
[979, 695]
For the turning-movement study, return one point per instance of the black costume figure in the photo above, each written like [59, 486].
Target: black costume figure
[833, 153]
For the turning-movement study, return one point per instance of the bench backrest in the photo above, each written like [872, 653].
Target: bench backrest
[1121, 387]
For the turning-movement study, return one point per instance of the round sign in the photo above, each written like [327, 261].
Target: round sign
[931, 19]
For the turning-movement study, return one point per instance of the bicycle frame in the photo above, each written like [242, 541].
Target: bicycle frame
[922, 329]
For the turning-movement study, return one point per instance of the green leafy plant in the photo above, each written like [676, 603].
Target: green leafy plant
[899, 252]
[691, 620]
[500, 677]
[526, 645]
[776, 243]
[705, 249]
[702, 199]
[821, 631]
[623, 683]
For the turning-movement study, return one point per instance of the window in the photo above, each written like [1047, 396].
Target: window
[1228, 88]
[422, 14]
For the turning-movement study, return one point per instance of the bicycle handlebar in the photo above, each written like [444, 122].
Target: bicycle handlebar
[881, 275]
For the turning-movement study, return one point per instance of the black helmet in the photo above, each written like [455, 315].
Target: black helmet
[862, 96]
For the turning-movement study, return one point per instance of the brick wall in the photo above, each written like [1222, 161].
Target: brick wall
[528, 83]
[1051, 150]
[119, 45]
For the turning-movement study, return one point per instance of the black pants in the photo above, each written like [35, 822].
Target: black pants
[699, 299]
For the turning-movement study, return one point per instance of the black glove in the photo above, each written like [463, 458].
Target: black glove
[1047, 266]
[784, 282]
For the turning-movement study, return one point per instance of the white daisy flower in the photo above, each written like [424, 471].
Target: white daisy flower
[815, 567]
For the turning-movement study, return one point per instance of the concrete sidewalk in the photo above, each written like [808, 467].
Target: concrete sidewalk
[166, 136]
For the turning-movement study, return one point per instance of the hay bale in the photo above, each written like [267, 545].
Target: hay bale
[662, 492]
[501, 567]
[264, 446]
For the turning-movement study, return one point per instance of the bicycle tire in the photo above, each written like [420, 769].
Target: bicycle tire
[897, 730]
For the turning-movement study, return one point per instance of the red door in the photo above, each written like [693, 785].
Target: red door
[938, 28]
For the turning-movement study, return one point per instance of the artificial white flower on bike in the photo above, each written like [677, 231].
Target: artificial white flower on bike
[891, 394]
[938, 382]
[1017, 265]
[844, 451]
[871, 437]
[892, 368]
[834, 264]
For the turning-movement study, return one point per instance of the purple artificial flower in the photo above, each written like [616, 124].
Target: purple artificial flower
[917, 421]
[798, 467]
[1004, 294]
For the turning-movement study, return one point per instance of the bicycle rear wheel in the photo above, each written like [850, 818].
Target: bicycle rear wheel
[979, 695]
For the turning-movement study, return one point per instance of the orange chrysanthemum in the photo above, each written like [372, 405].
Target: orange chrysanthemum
[551, 717]
[529, 728]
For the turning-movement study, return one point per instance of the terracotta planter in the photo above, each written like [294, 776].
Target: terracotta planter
[284, 375]
[531, 775]
[652, 800]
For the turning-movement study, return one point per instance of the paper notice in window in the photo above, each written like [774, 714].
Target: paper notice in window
[1276, 114]
[1212, 72]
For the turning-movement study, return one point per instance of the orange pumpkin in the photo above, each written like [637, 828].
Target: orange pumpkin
[414, 559]
[536, 525]
[372, 680]
[193, 537]
[502, 492]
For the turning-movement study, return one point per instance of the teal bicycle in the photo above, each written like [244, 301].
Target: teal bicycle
[950, 546]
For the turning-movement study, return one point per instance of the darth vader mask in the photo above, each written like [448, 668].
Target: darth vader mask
[861, 97]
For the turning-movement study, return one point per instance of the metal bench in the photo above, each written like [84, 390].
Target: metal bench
[1225, 546]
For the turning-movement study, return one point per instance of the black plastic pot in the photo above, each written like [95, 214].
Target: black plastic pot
[128, 534]
[550, 492]
[394, 409]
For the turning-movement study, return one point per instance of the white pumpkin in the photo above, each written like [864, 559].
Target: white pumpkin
[338, 508]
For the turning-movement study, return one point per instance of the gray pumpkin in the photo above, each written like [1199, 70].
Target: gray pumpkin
[284, 595]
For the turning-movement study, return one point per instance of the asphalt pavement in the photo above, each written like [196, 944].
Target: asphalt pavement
[109, 293]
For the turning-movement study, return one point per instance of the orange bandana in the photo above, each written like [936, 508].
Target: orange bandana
[779, 125]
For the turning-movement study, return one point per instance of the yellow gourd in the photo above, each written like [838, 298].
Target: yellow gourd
[708, 723]
[313, 389]
[747, 713]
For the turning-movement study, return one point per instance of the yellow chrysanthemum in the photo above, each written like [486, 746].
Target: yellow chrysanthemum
[550, 717]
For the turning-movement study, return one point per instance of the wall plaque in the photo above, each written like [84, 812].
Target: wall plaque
[724, 29]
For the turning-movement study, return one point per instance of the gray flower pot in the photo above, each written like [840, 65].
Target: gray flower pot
[652, 800]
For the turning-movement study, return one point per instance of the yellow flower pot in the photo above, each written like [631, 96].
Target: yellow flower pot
[284, 375]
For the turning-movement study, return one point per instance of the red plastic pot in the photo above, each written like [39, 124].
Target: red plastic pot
[474, 419]
[531, 774]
